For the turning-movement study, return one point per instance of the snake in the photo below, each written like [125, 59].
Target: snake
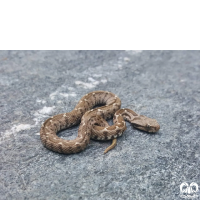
[92, 112]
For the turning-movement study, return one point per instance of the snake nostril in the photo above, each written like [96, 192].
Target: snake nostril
[157, 128]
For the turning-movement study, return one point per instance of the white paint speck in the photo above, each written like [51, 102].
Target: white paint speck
[52, 95]
[97, 75]
[70, 88]
[133, 52]
[104, 81]
[15, 129]
[119, 66]
[42, 113]
[63, 91]
[126, 59]
[91, 79]
[67, 95]
[40, 101]
[46, 110]
[87, 85]
[21, 127]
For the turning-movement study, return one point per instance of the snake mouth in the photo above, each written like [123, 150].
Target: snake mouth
[153, 129]
[150, 129]
[142, 128]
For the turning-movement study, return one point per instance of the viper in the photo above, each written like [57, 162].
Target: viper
[93, 124]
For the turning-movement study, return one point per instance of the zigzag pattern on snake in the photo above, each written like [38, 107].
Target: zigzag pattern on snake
[93, 123]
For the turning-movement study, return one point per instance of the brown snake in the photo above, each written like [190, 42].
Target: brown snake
[93, 123]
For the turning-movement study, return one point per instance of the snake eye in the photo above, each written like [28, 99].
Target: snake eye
[148, 125]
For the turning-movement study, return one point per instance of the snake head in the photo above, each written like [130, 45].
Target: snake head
[145, 124]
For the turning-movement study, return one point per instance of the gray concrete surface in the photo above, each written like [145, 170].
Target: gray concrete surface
[35, 85]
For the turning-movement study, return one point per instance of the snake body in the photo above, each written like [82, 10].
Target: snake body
[93, 123]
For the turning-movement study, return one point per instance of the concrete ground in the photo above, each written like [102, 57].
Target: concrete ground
[164, 85]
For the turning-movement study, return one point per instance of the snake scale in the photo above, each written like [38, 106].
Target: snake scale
[93, 123]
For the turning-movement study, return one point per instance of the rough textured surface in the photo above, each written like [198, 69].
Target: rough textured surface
[159, 84]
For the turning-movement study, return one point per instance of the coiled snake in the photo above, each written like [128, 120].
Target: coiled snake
[93, 123]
